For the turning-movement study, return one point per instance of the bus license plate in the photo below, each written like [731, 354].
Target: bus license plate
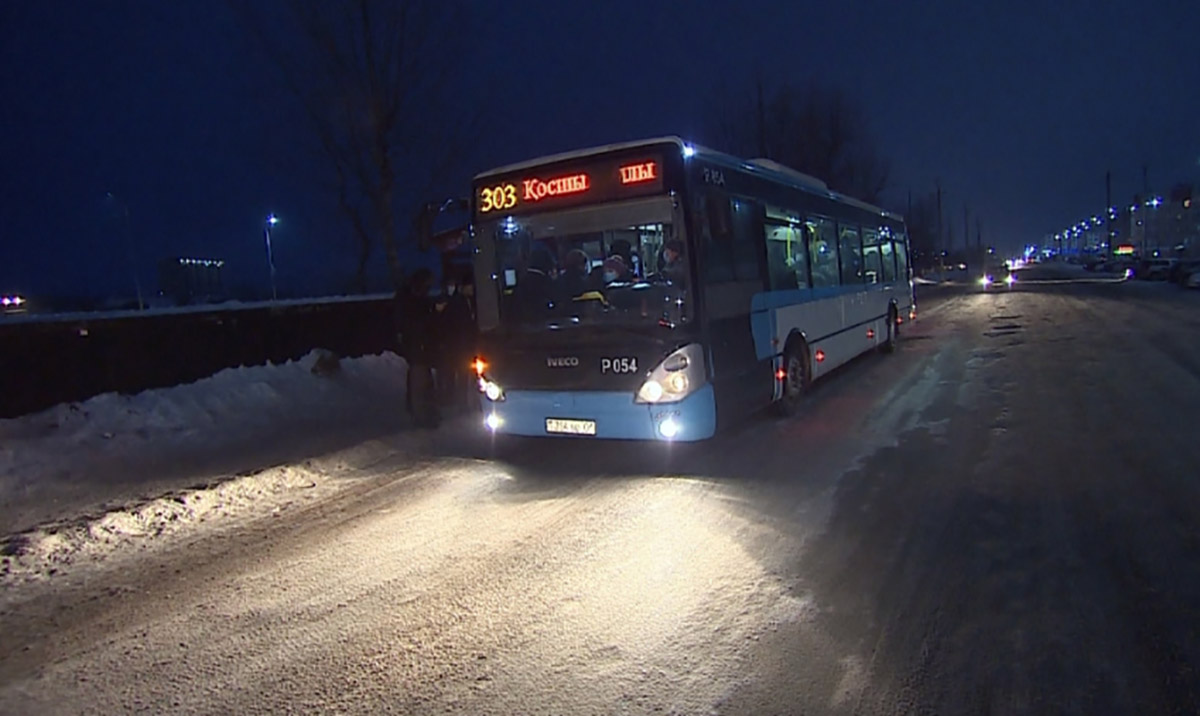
[570, 427]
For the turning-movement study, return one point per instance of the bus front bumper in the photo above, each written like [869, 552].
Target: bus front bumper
[602, 415]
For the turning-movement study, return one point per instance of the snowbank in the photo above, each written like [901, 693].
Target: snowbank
[51, 549]
[116, 448]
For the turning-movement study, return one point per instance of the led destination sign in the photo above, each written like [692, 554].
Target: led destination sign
[637, 173]
[536, 189]
[601, 181]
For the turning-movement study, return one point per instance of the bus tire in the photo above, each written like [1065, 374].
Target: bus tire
[797, 379]
[893, 329]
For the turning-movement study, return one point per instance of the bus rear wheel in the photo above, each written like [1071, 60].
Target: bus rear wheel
[796, 381]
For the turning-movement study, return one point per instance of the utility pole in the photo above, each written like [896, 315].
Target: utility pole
[966, 230]
[137, 282]
[129, 247]
[1145, 212]
[1108, 217]
[938, 184]
[271, 221]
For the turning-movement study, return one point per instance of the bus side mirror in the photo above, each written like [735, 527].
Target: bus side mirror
[427, 216]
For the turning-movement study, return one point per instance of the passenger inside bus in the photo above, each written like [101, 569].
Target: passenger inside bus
[592, 276]
[624, 250]
[615, 270]
[674, 268]
[574, 279]
[536, 289]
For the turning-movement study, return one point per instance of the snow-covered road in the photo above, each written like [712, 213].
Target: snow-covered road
[1000, 518]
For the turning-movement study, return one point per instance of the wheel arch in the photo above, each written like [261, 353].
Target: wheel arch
[797, 337]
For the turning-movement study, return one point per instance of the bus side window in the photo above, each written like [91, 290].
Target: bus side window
[716, 233]
[744, 215]
[889, 262]
[901, 259]
[851, 248]
[822, 252]
[872, 268]
[787, 257]
[779, 264]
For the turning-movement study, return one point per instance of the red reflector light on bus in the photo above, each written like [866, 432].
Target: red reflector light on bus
[870, 333]
[780, 374]
[912, 315]
[820, 355]
[899, 319]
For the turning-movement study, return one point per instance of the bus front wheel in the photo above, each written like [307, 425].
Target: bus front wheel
[797, 379]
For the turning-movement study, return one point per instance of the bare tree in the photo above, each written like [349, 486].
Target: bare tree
[818, 130]
[374, 79]
[921, 221]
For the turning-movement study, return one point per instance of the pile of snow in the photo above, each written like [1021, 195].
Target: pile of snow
[50, 549]
[113, 449]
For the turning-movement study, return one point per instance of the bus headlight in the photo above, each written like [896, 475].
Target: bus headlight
[668, 428]
[650, 392]
[493, 391]
[676, 377]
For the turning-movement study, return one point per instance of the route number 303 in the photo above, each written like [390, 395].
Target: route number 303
[497, 198]
[618, 365]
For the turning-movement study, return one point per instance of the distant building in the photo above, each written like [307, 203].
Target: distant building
[188, 280]
[1162, 226]
[1156, 225]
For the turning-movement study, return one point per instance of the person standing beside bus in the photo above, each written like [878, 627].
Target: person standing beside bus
[458, 347]
[417, 346]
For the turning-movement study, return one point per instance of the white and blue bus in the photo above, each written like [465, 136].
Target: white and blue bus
[656, 290]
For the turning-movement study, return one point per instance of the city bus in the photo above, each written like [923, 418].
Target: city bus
[657, 290]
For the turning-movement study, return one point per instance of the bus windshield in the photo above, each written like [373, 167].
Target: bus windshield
[615, 264]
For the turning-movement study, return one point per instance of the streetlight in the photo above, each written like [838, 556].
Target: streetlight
[271, 221]
[1152, 220]
[129, 249]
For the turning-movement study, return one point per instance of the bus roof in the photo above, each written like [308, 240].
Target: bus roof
[764, 167]
[579, 154]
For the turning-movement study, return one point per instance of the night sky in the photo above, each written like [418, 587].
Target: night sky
[1019, 108]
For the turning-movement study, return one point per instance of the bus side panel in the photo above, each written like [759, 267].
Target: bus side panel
[836, 322]
[743, 381]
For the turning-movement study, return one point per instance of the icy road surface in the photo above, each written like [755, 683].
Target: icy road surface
[1001, 518]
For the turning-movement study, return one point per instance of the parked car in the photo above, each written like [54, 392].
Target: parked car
[1119, 265]
[1180, 272]
[1154, 269]
[1193, 280]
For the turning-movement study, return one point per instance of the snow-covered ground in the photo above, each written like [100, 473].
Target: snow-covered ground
[85, 478]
